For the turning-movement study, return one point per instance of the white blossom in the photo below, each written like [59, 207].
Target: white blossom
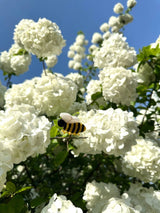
[93, 87]
[42, 38]
[96, 38]
[117, 205]
[76, 107]
[131, 3]
[12, 62]
[125, 18]
[77, 52]
[96, 195]
[76, 78]
[115, 22]
[2, 92]
[50, 94]
[104, 27]
[143, 161]
[118, 85]
[23, 133]
[115, 52]
[60, 204]
[51, 61]
[111, 131]
[118, 8]
[146, 200]
[145, 74]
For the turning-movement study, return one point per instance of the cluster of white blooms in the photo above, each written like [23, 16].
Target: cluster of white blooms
[22, 134]
[13, 61]
[50, 94]
[111, 131]
[146, 200]
[96, 38]
[131, 3]
[60, 204]
[76, 78]
[118, 8]
[2, 92]
[118, 85]
[42, 38]
[93, 87]
[105, 198]
[143, 161]
[51, 61]
[115, 52]
[97, 194]
[117, 205]
[145, 74]
[77, 106]
[77, 52]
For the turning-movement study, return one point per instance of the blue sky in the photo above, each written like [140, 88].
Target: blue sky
[73, 16]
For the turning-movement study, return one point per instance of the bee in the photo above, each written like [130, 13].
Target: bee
[71, 124]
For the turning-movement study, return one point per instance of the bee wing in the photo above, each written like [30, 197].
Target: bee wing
[69, 118]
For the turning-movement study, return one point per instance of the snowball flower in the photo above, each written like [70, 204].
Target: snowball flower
[145, 74]
[42, 38]
[111, 131]
[2, 92]
[115, 52]
[76, 107]
[96, 38]
[104, 27]
[96, 195]
[125, 18]
[51, 61]
[131, 3]
[143, 161]
[23, 133]
[93, 87]
[118, 85]
[146, 200]
[50, 94]
[12, 62]
[118, 8]
[117, 205]
[76, 78]
[60, 204]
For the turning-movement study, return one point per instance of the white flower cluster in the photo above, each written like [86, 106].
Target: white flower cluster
[51, 61]
[111, 131]
[118, 8]
[77, 52]
[13, 62]
[2, 92]
[42, 38]
[97, 194]
[50, 94]
[77, 79]
[145, 74]
[131, 3]
[105, 198]
[76, 107]
[143, 161]
[22, 134]
[60, 204]
[93, 87]
[145, 200]
[115, 52]
[118, 85]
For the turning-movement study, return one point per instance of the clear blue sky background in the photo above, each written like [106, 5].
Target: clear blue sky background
[73, 16]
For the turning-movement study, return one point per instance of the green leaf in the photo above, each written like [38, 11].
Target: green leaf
[10, 187]
[53, 131]
[60, 155]
[37, 201]
[96, 95]
[15, 205]
[23, 189]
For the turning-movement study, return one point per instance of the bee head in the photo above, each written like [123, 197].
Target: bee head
[61, 122]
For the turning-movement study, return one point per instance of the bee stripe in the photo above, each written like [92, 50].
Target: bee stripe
[74, 128]
[71, 128]
[78, 128]
[66, 127]
[83, 128]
